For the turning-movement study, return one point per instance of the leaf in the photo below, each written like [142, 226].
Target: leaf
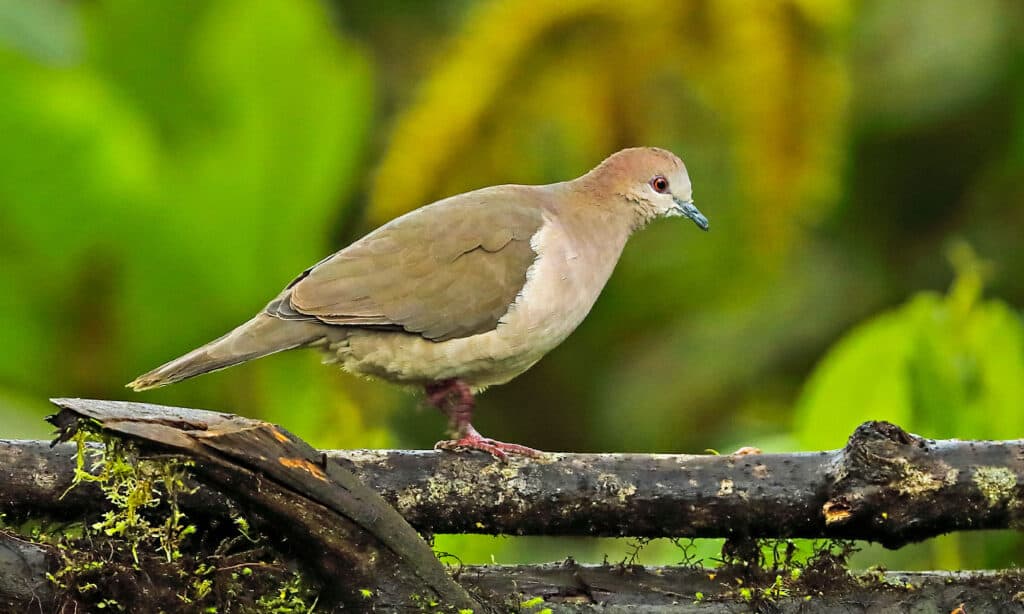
[939, 366]
[862, 378]
[161, 190]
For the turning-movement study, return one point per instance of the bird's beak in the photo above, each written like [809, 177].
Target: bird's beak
[686, 208]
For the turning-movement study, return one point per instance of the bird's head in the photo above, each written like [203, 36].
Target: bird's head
[652, 183]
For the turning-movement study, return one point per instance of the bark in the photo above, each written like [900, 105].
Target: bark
[342, 528]
[570, 587]
[886, 485]
[23, 568]
[672, 589]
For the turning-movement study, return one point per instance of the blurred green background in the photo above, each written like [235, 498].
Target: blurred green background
[166, 167]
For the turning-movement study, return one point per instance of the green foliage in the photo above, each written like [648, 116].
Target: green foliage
[941, 366]
[168, 181]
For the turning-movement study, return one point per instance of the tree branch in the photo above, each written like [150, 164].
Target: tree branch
[570, 587]
[344, 529]
[674, 589]
[23, 569]
[885, 485]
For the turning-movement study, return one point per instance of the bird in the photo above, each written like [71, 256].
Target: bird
[464, 293]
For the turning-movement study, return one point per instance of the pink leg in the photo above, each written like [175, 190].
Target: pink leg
[454, 398]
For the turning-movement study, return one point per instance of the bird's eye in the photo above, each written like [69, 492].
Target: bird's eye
[660, 184]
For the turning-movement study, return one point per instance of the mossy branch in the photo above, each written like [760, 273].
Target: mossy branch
[886, 486]
[344, 529]
[821, 583]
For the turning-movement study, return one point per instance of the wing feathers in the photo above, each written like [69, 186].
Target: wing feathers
[445, 271]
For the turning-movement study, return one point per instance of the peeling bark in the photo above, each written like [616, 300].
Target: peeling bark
[307, 502]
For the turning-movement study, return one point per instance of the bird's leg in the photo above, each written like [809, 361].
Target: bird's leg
[454, 398]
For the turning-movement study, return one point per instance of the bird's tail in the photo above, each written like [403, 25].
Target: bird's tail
[258, 337]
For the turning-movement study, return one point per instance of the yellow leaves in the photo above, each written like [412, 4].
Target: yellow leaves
[784, 93]
[538, 93]
[464, 90]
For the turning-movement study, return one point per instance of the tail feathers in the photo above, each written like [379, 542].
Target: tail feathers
[258, 337]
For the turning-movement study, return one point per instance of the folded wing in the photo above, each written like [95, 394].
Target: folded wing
[448, 270]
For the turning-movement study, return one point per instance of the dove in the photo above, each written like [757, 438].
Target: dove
[464, 293]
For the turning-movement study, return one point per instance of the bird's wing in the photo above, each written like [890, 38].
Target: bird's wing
[448, 270]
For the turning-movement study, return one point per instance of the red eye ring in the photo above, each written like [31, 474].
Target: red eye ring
[660, 184]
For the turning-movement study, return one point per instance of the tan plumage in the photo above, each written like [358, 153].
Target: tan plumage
[469, 291]
[441, 287]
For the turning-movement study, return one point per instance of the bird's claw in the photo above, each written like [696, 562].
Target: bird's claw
[498, 449]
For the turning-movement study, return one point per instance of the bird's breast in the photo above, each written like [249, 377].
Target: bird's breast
[561, 286]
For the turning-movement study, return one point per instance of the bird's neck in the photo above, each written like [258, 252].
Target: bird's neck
[598, 225]
[611, 214]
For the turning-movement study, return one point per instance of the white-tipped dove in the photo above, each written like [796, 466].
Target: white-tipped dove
[464, 293]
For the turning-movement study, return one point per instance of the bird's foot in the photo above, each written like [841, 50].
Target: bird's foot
[498, 449]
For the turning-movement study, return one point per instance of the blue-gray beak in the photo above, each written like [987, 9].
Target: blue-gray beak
[686, 208]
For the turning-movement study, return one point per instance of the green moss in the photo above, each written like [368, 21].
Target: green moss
[143, 554]
[293, 595]
[763, 572]
[133, 485]
[532, 602]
